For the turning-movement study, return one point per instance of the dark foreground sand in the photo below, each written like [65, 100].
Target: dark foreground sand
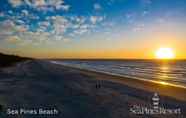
[76, 93]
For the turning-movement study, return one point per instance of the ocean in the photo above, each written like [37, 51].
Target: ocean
[166, 72]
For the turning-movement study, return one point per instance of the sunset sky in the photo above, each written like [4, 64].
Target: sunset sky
[92, 28]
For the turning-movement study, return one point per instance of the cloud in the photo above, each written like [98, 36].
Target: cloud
[6, 27]
[2, 14]
[29, 26]
[51, 29]
[64, 7]
[9, 29]
[33, 17]
[15, 3]
[97, 6]
[78, 19]
[21, 28]
[19, 34]
[138, 27]
[95, 19]
[66, 40]
[13, 39]
[60, 25]
[82, 29]
[84, 25]
[25, 12]
[56, 3]
[43, 26]
[47, 5]
[20, 21]
[44, 23]
[39, 3]
[130, 17]
[10, 11]
[145, 12]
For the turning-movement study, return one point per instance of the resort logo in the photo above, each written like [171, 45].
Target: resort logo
[155, 100]
[155, 109]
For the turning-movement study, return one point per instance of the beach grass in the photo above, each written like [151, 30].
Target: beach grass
[8, 60]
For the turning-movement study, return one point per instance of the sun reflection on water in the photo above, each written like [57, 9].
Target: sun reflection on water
[164, 70]
[163, 83]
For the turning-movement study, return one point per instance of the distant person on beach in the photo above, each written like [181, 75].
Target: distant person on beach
[98, 84]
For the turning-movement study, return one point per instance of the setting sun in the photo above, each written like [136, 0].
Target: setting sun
[165, 53]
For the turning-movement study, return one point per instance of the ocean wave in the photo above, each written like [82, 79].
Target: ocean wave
[173, 73]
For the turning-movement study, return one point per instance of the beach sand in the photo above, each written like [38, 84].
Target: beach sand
[78, 93]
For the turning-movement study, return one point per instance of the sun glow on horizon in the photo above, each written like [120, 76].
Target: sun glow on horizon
[165, 53]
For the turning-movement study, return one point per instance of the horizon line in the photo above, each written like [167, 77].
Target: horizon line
[111, 59]
[89, 58]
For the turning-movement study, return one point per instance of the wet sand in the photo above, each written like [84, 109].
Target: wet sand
[175, 92]
[78, 93]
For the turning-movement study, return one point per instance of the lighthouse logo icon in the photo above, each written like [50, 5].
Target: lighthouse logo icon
[155, 101]
[156, 108]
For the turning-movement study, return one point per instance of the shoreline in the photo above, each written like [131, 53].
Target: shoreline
[118, 75]
[165, 89]
[77, 92]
